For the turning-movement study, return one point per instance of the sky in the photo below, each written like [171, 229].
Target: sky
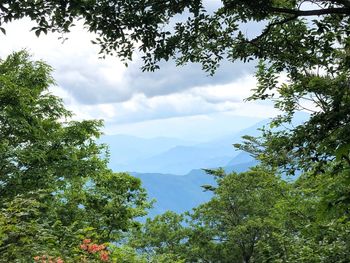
[182, 102]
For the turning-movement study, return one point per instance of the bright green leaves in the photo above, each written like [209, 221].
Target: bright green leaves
[162, 239]
[343, 151]
[255, 217]
[267, 82]
[239, 212]
[22, 229]
[42, 153]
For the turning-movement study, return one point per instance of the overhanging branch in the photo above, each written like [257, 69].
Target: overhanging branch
[298, 13]
[270, 26]
[316, 12]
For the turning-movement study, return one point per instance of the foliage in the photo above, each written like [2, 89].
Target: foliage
[238, 214]
[254, 217]
[52, 173]
[319, 141]
[55, 187]
[90, 252]
[126, 254]
[161, 239]
[21, 231]
[185, 30]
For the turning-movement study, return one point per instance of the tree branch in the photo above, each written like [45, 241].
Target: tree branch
[342, 2]
[297, 13]
[270, 26]
[316, 12]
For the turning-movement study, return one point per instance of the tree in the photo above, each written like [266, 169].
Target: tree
[239, 216]
[254, 217]
[318, 142]
[55, 187]
[202, 36]
[228, 228]
[307, 228]
[162, 239]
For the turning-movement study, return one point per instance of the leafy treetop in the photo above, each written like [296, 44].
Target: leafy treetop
[55, 187]
[155, 27]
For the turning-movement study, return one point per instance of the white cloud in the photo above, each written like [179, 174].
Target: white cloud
[93, 81]
[235, 91]
[161, 102]
[196, 101]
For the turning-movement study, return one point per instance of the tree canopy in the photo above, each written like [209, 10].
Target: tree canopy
[191, 31]
[253, 216]
[55, 187]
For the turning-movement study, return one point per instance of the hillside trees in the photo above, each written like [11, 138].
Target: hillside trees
[162, 238]
[239, 215]
[55, 187]
[231, 227]
[253, 216]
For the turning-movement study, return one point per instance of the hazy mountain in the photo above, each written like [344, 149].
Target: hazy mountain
[172, 156]
[182, 159]
[127, 151]
[180, 193]
[157, 161]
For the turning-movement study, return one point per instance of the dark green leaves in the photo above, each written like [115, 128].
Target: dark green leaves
[184, 30]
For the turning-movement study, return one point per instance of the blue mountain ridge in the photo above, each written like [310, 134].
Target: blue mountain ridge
[171, 170]
[180, 193]
[172, 156]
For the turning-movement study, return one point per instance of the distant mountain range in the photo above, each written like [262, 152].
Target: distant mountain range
[181, 193]
[172, 156]
[171, 169]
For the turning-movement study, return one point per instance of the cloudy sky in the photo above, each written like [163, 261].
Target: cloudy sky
[178, 102]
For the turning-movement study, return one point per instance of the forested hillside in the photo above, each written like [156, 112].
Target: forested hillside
[61, 203]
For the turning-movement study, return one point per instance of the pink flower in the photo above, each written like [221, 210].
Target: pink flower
[83, 247]
[87, 241]
[37, 258]
[94, 248]
[104, 256]
[59, 260]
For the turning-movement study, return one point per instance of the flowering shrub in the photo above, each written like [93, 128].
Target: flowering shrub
[91, 253]
[92, 249]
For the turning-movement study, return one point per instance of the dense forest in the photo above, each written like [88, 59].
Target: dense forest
[61, 203]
